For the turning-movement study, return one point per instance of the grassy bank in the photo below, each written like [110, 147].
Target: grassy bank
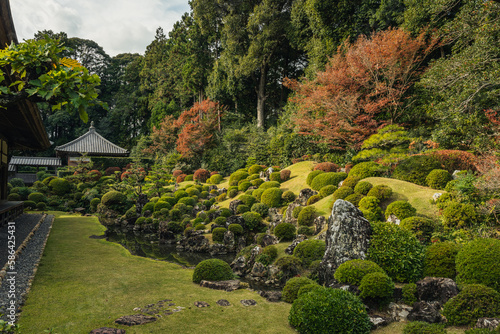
[85, 283]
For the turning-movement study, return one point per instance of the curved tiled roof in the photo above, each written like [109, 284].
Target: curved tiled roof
[92, 143]
[33, 161]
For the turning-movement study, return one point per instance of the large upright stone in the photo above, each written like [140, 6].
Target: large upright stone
[347, 238]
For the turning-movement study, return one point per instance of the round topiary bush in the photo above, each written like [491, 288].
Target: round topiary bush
[257, 182]
[37, 197]
[232, 193]
[308, 288]
[296, 211]
[285, 175]
[326, 167]
[114, 200]
[215, 179]
[342, 193]
[275, 176]
[252, 220]
[382, 192]
[242, 208]
[438, 178]
[288, 196]
[306, 216]
[353, 271]
[327, 179]
[257, 193]
[327, 190]
[354, 198]
[162, 205]
[272, 197]
[363, 187]
[390, 242]
[212, 270]
[236, 177]
[416, 168]
[473, 302]
[409, 292]
[440, 259]
[400, 209]
[149, 206]
[218, 234]
[306, 319]
[17, 182]
[29, 205]
[478, 262]
[60, 186]
[236, 229]
[180, 194]
[421, 327]
[269, 184]
[41, 206]
[244, 185]
[220, 221]
[365, 169]
[260, 208]
[199, 227]
[255, 169]
[458, 215]
[377, 286]
[289, 265]
[285, 231]
[313, 199]
[193, 191]
[422, 227]
[310, 250]
[248, 200]
[312, 175]
[292, 286]
[351, 181]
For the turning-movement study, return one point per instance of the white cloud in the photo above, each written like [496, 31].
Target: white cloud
[119, 26]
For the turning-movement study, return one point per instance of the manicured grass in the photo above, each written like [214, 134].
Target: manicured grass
[85, 283]
[298, 176]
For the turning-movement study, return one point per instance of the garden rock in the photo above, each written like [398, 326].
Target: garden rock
[455, 174]
[248, 302]
[229, 240]
[265, 174]
[347, 238]
[235, 220]
[489, 323]
[399, 312]
[223, 302]
[301, 200]
[436, 196]
[259, 270]
[438, 289]
[393, 219]
[275, 217]
[229, 285]
[135, 319]
[271, 296]
[107, 330]
[319, 223]
[201, 304]
[268, 240]
[426, 311]
[218, 249]
[239, 266]
[295, 242]
[234, 205]
[378, 322]
[195, 243]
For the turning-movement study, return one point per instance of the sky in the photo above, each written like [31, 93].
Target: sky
[119, 26]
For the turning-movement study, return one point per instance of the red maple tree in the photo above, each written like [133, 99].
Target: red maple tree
[361, 88]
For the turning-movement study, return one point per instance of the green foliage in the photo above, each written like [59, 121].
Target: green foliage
[175, 214]
[421, 327]
[60, 186]
[306, 319]
[365, 169]
[310, 250]
[312, 175]
[306, 216]
[325, 179]
[218, 234]
[17, 182]
[199, 227]
[180, 194]
[377, 285]
[285, 231]
[342, 193]
[477, 262]
[416, 168]
[351, 181]
[438, 178]
[41, 206]
[244, 185]
[269, 184]
[220, 221]
[242, 208]
[30, 205]
[370, 204]
[275, 176]
[362, 187]
[440, 259]
[212, 270]
[257, 182]
[289, 265]
[459, 215]
[308, 288]
[115, 200]
[271, 197]
[422, 227]
[255, 169]
[193, 191]
[257, 193]
[327, 190]
[160, 205]
[260, 208]
[307, 230]
[252, 220]
[292, 286]
[236, 177]
[236, 229]
[353, 271]
[410, 293]
[231, 193]
[149, 206]
[390, 242]
[140, 220]
[473, 302]
[215, 179]
[401, 209]
[296, 211]
[354, 198]
[288, 196]
[382, 192]
[313, 199]
[248, 200]
[37, 197]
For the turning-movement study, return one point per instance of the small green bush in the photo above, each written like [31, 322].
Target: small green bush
[306, 216]
[257, 182]
[17, 182]
[271, 251]
[242, 208]
[189, 177]
[370, 204]
[312, 175]
[232, 193]
[351, 181]
[327, 179]
[114, 200]
[307, 230]
[365, 169]
[149, 206]
[309, 251]
[363, 187]
[252, 220]
[260, 208]
[218, 234]
[180, 194]
[354, 198]
[382, 192]
[285, 231]
[292, 286]
[410, 293]
[473, 302]
[248, 200]
[275, 176]
[175, 214]
[37, 197]
[377, 286]
[308, 288]
[269, 184]
[236, 177]
[421, 327]
[401, 209]
[215, 179]
[288, 196]
[272, 197]
[296, 211]
[30, 205]
[212, 270]
[257, 193]
[236, 229]
[438, 178]
[420, 226]
[353, 271]
[162, 205]
[255, 169]
[41, 206]
[200, 227]
[220, 221]
[60, 186]
[313, 199]
[193, 191]
[175, 227]
[458, 215]
[440, 259]
[327, 190]
[243, 186]
[415, 169]
[289, 265]
[306, 319]
[478, 262]
[140, 221]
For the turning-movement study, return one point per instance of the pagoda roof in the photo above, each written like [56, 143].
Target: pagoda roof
[92, 143]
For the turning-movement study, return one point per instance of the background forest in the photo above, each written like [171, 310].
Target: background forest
[270, 81]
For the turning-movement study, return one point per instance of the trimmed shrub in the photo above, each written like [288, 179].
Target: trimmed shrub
[363, 187]
[215, 179]
[382, 192]
[353, 271]
[421, 327]
[289, 265]
[41, 206]
[327, 179]
[17, 182]
[275, 176]
[243, 186]
[248, 200]
[296, 211]
[236, 177]
[342, 193]
[478, 262]
[218, 234]
[438, 178]
[193, 191]
[306, 216]
[269, 184]
[307, 230]
[473, 302]
[271, 197]
[60, 186]
[440, 259]
[257, 182]
[242, 208]
[212, 270]
[288, 196]
[255, 169]
[378, 286]
[415, 169]
[420, 226]
[189, 177]
[221, 197]
[312, 175]
[175, 214]
[391, 242]
[178, 179]
[354, 198]
[220, 221]
[308, 288]
[292, 286]
[285, 175]
[365, 169]
[232, 193]
[260, 208]
[236, 229]
[140, 220]
[285, 231]
[458, 215]
[306, 319]
[351, 181]
[327, 190]
[37, 197]
[201, 175]
[410, 293]
[173, 226]
[180, 194]
[313, 199]
[401, 209]
[309, 251]
[29, 205]
[161, 205]
[252, 220]
[326, 167]
[94, 203]
[115, 200]
[271, 251]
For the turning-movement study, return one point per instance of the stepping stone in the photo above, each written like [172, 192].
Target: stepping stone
[107, 330]
[201, 304]
[248, 302]
[271, 296]
[223, 302]
[135, 319]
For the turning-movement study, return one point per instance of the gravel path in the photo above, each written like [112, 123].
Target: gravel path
[17, 282]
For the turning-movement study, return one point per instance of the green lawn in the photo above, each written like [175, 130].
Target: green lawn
[85, 283]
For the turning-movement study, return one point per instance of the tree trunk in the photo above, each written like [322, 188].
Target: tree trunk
[261, 96]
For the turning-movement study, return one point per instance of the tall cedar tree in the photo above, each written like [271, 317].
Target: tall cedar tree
[361, 88]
